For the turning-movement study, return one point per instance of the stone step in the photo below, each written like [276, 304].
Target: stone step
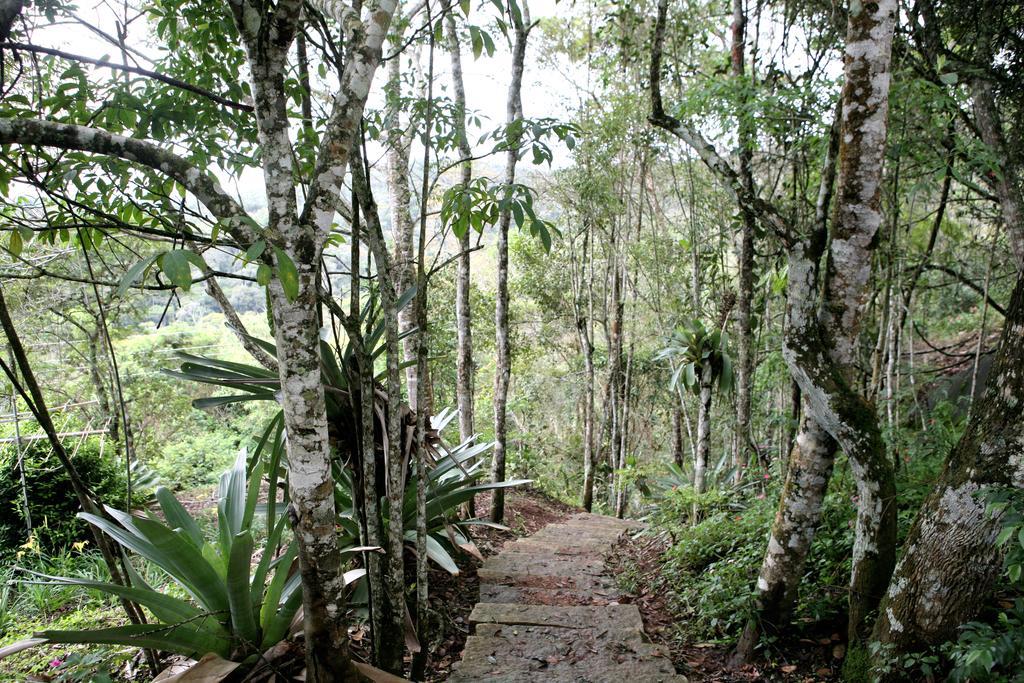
[524, 562]
[521, 653]
[565, 595]
[557, 543]
[548, 612]
[604, 617]
[574, 582]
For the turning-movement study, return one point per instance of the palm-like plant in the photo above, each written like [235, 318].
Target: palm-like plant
[700, 359]
[454, 473]
[236, 608]
[255, 383]
[692, 349]
[453, 478]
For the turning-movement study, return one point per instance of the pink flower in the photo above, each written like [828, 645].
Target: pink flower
[760, 496]
[55, 663]
[767, 476]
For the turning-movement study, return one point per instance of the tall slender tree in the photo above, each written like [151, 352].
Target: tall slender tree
[503, 369]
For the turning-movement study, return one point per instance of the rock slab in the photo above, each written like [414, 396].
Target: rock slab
[548, 612]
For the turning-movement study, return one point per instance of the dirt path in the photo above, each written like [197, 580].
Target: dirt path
[548, 612]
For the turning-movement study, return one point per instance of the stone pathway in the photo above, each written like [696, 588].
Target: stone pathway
[548, 612]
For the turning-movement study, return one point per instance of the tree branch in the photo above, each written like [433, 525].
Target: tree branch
[744, 195]
[204, 186]
[106, 64]
[965, 281]
[340, 133]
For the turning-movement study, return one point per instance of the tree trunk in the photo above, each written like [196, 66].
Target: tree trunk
[1007, 182]
[401, 216]
[796, 520]
[389, 642]
[463, 316]
[311, 486]
[951, 561]
[503, 369]
[744, 341]
[584, 314]
[821, 350]
[621, 493]
[616, 383]
[811, 456]
[677, 435]
[419, 657]
[99, 384]
[700, 465]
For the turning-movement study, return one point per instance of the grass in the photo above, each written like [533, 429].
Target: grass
[26, 608]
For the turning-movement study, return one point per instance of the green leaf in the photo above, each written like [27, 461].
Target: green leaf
[165, 607]
[178, 517]
[134, 273]
[175, 265]
[16, 244]
[171, 552]
[545, 235]
[288, 274]
[243, 620]
[476, 41]
[181, 639]
[255, 251]
[263, 274]
[271, 600]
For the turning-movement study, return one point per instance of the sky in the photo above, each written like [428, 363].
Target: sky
[546, 92]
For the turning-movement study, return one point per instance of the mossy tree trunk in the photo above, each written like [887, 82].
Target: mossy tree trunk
[947, 572]
[748, 224]
[463, 314]
[820, 346]
[951, 560]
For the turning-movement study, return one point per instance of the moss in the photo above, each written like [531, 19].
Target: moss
[857, 665]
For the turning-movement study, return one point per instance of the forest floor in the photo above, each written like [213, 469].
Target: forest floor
[814, 655]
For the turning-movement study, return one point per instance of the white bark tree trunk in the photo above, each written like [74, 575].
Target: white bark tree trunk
[820, 349]
[503, 370]
[463, 314]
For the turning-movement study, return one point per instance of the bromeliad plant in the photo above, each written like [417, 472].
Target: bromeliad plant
[691, 349]
[255, 383]
[235, 608]
[453, 479]
[454, 473]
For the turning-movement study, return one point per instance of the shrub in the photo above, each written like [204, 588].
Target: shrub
[711, 567]
[239, 605]
[52, 504]
[196, 459]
